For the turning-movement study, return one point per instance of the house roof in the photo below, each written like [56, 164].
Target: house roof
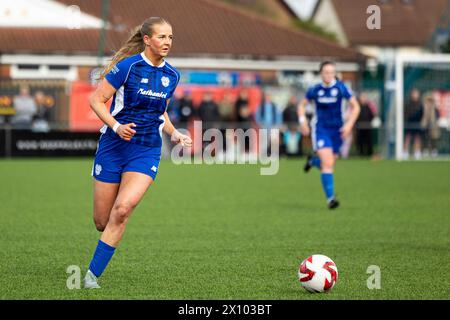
[51, 40]
[403, 23]
[201, 27]
[276, 10]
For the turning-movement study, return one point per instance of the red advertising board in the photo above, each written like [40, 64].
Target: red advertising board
[81, 116]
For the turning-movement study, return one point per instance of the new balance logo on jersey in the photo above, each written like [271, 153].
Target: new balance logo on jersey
[153, 94]
[154, 169]
[144, 80]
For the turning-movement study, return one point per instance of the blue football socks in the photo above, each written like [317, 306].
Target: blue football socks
[102, 255]
[328, 185]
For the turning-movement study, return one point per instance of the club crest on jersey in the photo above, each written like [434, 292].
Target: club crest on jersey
[320, 143]
[334, 92]
[165, 81]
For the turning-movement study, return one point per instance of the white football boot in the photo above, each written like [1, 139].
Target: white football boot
[90, 281]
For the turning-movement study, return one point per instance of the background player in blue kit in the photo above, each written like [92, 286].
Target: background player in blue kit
[141, 83]
[328, 128]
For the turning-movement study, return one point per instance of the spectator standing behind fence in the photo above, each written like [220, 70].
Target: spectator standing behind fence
[226, 109]
[25, 109]
[290, 115]
[364, 141]
[267, 116]
[227, 118]
[186, 109]
[429, 124]
[242, 111]
[43, 116]
[243, 117]
[291, 142]
[209, 114]
[413, 116]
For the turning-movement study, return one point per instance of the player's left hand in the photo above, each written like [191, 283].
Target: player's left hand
[346, 130]
[182, 139]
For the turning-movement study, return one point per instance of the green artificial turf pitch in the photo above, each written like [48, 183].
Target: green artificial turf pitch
[226, 232]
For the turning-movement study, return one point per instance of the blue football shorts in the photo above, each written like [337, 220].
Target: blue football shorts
[327, 138]
[115, 156]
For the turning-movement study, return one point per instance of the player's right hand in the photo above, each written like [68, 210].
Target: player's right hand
[304, 128]
[126, 132]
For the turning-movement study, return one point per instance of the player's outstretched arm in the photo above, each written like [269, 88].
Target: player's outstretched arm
[348, 126]
[98, 100]
[302, 117]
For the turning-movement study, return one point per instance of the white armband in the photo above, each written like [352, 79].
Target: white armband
[116, 125]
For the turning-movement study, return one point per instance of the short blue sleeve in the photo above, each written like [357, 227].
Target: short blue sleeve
[346, 91]
[172, 91]
[310, 94]
[118, 74]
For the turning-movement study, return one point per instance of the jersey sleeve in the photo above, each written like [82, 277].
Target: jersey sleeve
[310, 94]
[174, 87]
[118, 74]
[346, 91]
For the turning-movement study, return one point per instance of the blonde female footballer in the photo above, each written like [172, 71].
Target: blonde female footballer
[141, 84]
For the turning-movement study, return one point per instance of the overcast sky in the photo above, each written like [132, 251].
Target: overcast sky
[303, 8]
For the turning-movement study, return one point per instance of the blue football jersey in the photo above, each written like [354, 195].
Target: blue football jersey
[329, 104]
[141, 97]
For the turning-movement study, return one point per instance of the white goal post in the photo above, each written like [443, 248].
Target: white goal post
[400, 61]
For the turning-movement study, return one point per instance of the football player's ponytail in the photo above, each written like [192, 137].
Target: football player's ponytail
[134, 44]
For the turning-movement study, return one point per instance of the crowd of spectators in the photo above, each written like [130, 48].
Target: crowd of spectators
[30, 112]
[234, 112]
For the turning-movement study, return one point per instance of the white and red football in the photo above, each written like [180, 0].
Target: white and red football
[318, 273]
